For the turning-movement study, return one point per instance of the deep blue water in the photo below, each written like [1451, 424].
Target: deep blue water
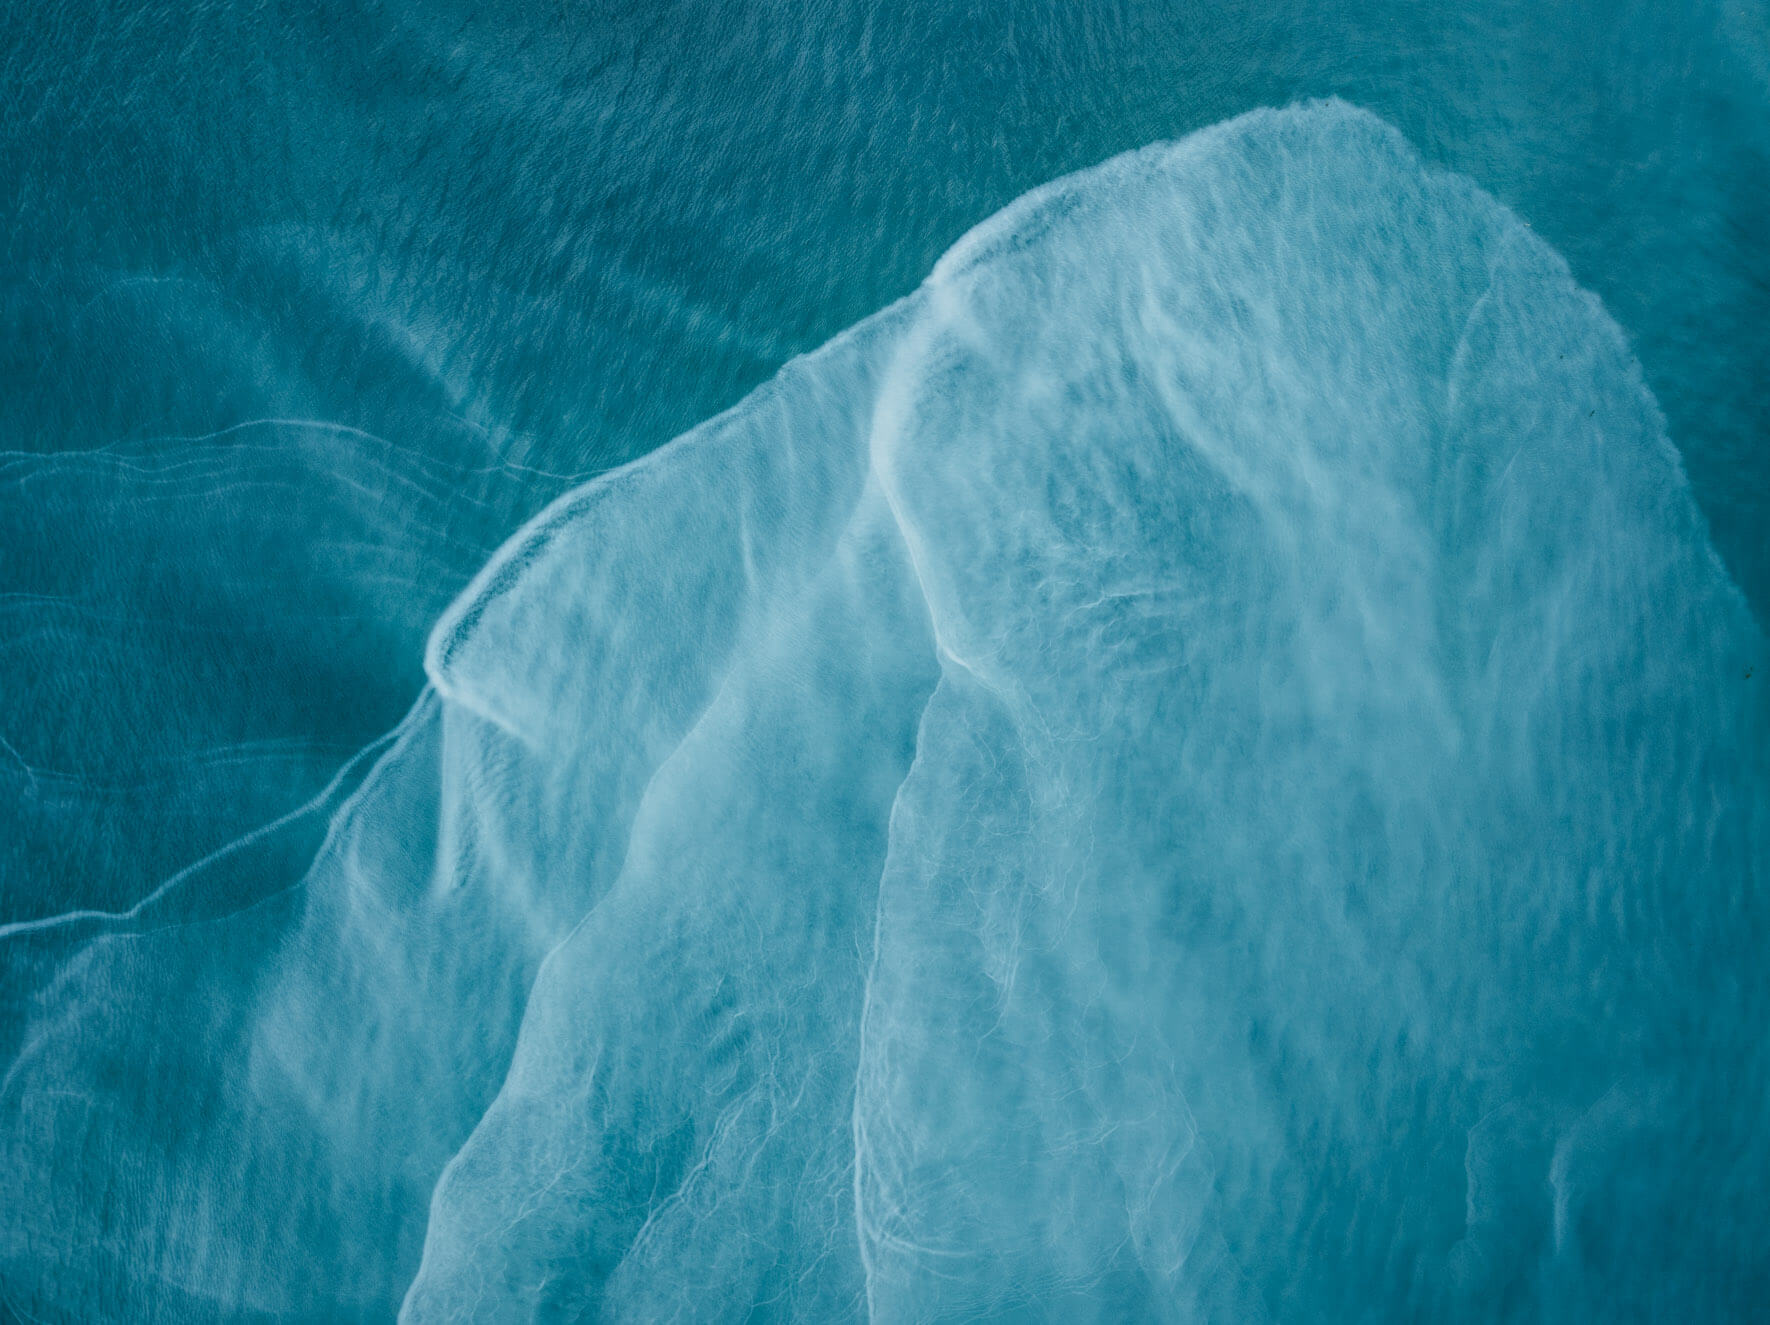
[1187, 742]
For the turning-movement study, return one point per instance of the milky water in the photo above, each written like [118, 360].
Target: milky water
[1207, 762]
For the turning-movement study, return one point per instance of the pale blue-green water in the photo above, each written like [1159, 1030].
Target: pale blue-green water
[1184, 743]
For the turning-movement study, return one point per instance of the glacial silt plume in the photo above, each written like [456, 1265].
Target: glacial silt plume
[1201, 766]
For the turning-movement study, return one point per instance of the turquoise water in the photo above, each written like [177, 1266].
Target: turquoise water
[1194, 748]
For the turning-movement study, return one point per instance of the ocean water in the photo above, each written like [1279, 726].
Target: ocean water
[1068, 661]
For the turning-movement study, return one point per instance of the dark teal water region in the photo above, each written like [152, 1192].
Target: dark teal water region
[1207, 762]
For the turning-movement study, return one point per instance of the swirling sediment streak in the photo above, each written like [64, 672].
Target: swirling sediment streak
[1196, 767]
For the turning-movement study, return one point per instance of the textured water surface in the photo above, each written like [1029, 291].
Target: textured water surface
[1208, 762]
